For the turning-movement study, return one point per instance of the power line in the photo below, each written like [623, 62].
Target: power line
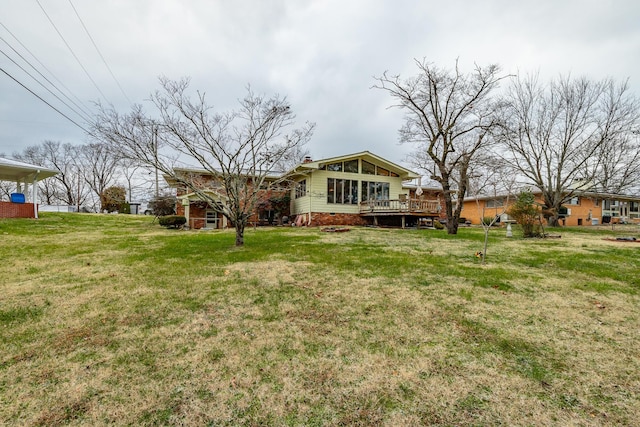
[100, 53]
[43, 100]
[84, 107]
[86, 114]
[72, 52]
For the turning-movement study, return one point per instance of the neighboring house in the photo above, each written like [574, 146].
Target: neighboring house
[201, 214]
[356, 189]
[584, 208]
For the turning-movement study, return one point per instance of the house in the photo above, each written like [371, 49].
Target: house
[201, 214]
[355, 189]
[584, 208]
[359, 189]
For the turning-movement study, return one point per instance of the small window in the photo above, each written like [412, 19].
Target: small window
[351, 166]
[382, 171]
[494, 203]
[368, 168]
[334, 167]
[574, 201]
[331, 190]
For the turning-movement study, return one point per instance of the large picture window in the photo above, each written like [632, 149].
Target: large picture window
[342, 191]
[375, 191]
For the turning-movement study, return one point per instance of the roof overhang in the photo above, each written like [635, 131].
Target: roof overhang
[13, 170]
[404, 173]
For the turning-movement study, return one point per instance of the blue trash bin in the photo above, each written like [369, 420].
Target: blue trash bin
[17, 198]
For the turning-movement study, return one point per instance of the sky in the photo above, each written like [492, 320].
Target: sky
[322, 55]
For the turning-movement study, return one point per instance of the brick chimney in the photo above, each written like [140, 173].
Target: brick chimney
[307, 159]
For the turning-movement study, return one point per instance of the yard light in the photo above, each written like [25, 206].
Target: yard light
[509, 232]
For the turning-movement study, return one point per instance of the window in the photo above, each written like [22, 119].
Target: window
[301, 189]
[342, 191]
[351, 166]
[574, 201]
[375, 190]
[494, 203]
[368, 168]
[334, 167]
[381, 171]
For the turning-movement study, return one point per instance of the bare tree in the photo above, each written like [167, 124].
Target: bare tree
[449, 116]
[567, 132]
[99, 165]
[616, 166]
[292, 158]
[240, 148]
[68, 186]
[491, 178]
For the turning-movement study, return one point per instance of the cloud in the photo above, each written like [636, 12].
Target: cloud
[321, 54]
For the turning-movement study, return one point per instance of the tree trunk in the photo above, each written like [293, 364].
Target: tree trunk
[452, 226]
[239, 233]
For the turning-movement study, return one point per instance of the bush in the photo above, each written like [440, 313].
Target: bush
[163, 205]
[488, 220]
[125, 208]
[526, 213]
[112, 198]
[172, 221]
[438, 225]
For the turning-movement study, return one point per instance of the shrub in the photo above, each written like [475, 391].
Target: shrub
[438, 225]
[526, 213]
[163, 205]
[172, 221]
[488, 220]
[125, 208]
[111, 198]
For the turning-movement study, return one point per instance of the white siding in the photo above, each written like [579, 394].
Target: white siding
[316, 199]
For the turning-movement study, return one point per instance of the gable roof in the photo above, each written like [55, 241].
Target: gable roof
[13, 170]
[404, 173]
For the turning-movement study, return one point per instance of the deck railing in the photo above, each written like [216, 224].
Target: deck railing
[400, 206]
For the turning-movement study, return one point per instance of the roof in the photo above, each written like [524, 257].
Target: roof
[576, 193]
[13, 170]
[404, 173]
[173, 182]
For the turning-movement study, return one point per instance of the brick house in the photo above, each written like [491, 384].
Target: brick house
[201, 214]
[584, 208]
[355, 189]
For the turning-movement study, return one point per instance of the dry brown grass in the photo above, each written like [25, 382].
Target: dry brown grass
[305, 328]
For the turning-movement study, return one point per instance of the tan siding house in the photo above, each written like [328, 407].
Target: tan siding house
[584, 208]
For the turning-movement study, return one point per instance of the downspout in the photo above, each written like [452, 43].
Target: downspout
[309, 192]
[35, 194]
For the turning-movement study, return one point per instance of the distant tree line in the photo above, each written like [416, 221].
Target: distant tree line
[91, 176]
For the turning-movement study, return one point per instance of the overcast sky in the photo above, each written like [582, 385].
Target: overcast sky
[321, 54]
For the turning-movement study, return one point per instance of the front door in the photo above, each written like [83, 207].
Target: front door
[211, 219]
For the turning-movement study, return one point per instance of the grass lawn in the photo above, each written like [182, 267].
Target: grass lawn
[110, 319]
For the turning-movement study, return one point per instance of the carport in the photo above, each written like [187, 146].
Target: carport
[23, 175]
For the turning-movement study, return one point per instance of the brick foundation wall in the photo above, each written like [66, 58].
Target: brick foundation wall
[323, 219]
[16, 210]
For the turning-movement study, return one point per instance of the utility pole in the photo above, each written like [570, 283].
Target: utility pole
[155, 155]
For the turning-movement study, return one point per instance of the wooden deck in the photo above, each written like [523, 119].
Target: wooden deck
[412, 207]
